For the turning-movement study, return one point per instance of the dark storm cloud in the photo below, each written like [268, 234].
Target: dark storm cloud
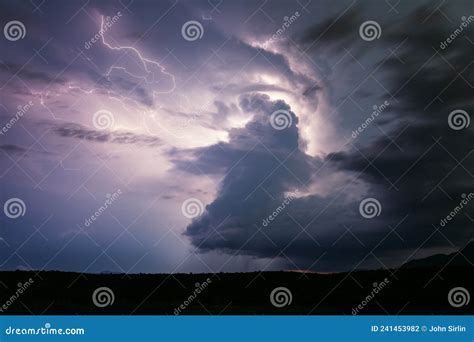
[118, 137]
[311, 90]
[422, 165]
[16, 150]
[61, 56]
[12, 149]
[240, 57]
[262, 167]
[28, 74]
[335, 31]
[247, 162]
[418, 169]
[222, 112]
[258, 136]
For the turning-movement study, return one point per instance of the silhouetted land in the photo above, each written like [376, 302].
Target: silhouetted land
[418, 287]
[409, 291]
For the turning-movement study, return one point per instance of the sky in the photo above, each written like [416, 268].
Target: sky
[234, 136]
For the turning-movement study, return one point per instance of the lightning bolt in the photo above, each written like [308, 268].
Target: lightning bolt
[144, 61]
[129, 103]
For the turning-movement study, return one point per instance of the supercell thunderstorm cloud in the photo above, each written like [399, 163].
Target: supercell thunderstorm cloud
[196, 136]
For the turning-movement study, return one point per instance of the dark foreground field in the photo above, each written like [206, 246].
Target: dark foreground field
[407, 291]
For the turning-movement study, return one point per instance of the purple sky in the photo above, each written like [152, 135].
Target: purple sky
[181, 126]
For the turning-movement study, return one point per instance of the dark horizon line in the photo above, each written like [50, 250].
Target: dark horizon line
[105, 272]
